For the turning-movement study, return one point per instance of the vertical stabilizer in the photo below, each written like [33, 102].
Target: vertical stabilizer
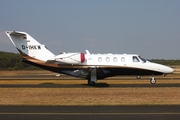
[28, 46]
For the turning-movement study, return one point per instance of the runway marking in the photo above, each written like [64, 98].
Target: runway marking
[165, 113]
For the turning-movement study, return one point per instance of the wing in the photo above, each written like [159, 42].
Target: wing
[84, 73]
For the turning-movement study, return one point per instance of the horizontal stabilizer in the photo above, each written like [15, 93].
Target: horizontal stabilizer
[53, 62]
[15, 33]
[50, 61]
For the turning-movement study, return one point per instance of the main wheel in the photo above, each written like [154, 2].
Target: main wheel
[92, 83]
[153, 80]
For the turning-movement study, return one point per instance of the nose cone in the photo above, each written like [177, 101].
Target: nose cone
[169, 70]
[166, 69]
[162, 68]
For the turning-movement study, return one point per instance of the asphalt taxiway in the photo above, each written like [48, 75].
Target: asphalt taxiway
[98, 85]
[171, 112]
[134, 112]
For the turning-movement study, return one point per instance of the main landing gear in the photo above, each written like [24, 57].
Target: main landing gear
[92, 80]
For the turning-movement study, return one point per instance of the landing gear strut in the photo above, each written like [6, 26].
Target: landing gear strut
[153, 80]
[92, 80]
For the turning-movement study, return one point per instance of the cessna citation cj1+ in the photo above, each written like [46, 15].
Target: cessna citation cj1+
[86, 66]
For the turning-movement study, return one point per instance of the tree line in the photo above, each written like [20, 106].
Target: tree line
[166, 62]
[13, 61]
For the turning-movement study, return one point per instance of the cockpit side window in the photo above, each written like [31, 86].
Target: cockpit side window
[135, 59]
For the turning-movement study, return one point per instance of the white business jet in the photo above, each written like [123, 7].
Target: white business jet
[86, 66]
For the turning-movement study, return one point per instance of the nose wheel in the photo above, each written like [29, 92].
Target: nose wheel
[153, 80]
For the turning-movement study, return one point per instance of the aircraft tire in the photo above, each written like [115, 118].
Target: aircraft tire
[153, 81]
[91, 83]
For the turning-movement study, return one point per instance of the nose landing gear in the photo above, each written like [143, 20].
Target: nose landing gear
[153, 80]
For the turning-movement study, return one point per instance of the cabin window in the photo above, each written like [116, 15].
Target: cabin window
[100, 59]
[122, 59]
[107, 59]
[135, 59]
[115, 59]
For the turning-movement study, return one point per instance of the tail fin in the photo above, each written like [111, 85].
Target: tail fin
[28, 46]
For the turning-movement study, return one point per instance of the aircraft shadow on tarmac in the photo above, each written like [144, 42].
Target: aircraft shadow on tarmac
[97, 85]
[102, 84]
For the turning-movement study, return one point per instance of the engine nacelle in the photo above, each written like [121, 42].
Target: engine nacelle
[70, 58]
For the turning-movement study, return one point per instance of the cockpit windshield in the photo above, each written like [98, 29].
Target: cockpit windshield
[144, 60]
